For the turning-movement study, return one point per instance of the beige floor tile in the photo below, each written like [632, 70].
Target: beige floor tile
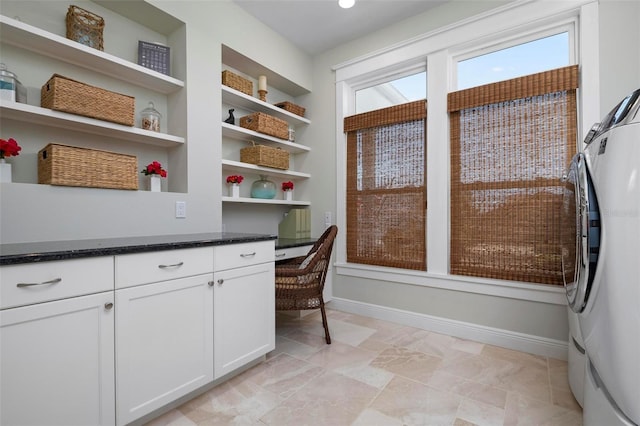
[339, 355]
[522, 411]
[381, 373]
[414, 403]
[330, 399]
[480, 413]
[407, 363]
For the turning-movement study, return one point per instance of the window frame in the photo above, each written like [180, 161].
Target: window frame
[438, 49]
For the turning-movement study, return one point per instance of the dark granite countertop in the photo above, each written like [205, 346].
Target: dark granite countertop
[12, 254]
[283, 243]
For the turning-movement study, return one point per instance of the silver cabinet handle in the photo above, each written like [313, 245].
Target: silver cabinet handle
[108, 306]
[210, 283]
[175, 265]
[54, 281]
[220, 281]
[281, 254]
[248, 254]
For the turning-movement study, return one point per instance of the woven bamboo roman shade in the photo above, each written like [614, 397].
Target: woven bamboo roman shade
[386, 186]
[510, 144]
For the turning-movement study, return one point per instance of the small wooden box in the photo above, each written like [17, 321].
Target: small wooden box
[237, 82]
[64, 94]
[267, 124]
[73, 166]
[266, 156]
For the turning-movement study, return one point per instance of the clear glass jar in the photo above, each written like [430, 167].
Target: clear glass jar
[10, 87]
[263, 188]
[150, 118]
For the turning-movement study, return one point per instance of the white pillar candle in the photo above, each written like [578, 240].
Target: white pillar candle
[262, 82]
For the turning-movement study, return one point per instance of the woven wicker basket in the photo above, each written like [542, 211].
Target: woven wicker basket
[266, 156]
[67, 95]
[85, 27]
[236, 82]
[72, 166]
[265, 123]
[291, 107]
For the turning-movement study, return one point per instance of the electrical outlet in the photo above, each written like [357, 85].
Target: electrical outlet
[327, 218]
[181, 209]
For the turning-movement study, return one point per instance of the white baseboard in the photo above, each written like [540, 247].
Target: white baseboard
[537, 345]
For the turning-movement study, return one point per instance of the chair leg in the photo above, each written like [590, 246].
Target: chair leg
[325, 324]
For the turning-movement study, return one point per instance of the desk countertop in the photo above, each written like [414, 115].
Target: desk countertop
[11, 254]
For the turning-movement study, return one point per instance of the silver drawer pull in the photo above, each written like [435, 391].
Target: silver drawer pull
[220, 281]
[281, 254]
[248, 254]
[54, 281]
[175, 265]
[108, 306]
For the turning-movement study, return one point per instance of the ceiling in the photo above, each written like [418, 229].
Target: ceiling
[318, 25]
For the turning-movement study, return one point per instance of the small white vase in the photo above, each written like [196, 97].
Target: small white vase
[5, 171]
[288, 195]
[234, 190]
[155, 183]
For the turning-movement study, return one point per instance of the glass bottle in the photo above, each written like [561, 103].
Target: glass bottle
[150, 118]
[263, 188]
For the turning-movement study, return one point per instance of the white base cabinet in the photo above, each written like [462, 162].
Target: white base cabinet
[164, 343]
[57, 362]
[244, 316]
[243, 306]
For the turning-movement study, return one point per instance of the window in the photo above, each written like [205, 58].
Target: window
[510, 144]
[399, 91]
[386, 188]
[541, 54]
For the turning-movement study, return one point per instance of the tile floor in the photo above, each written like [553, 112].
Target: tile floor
[381, 373]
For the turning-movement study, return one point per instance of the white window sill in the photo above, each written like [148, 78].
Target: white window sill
[544, 293]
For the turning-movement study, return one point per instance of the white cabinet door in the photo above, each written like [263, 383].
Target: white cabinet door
[244, 316]
[57, 363]
[164, 343]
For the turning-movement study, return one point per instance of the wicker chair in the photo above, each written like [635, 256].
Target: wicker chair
[300, 281]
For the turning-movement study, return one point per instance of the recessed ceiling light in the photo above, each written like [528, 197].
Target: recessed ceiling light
[346, 4]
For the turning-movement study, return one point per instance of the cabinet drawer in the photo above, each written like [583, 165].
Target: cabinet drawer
[291, 252]
[30, 283]
[245, 254]
[144, 268]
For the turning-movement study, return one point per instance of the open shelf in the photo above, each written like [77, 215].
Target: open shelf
[240, 133]
[231, 166]
[263, 201]
[241, 100]
[28, 37]
[44, 116]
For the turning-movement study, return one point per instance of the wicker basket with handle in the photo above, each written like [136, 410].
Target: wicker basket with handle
[64, 94]
[73, 166]
[266, 156]
[265, 123]
[85, 27]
